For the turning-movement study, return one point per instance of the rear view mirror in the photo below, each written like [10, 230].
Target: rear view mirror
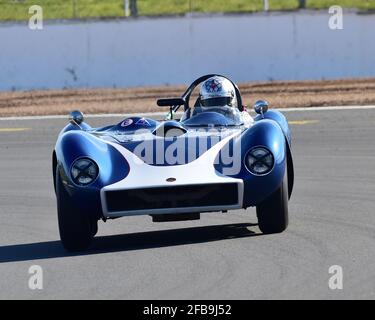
[170, 102]
[76, 117]
[261, 107]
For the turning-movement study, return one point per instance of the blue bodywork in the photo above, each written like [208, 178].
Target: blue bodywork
[81, 141]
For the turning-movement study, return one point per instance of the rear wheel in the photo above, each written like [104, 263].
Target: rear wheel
[77, 229]
[272, 213]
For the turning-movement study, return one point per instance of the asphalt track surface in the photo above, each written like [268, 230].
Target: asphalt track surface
[222, 256]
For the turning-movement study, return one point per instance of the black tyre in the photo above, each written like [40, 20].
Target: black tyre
[77, 229]
[272, 213]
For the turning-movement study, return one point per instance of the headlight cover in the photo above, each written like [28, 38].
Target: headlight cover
[84, 171]
[259, 161]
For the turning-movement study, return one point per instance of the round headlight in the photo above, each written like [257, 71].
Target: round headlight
[84, 171]
[259, 161]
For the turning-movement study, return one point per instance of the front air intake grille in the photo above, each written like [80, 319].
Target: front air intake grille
[188, 196]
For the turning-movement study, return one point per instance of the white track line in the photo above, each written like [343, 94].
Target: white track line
[158, 114]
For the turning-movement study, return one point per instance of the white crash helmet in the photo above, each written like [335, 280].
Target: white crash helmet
[216, 92]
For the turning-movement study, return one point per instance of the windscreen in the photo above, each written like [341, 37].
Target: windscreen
[233, 115]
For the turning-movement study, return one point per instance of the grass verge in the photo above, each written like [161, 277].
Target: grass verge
[63, 9]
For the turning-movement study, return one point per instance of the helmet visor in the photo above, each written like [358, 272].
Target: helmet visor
[216, 102]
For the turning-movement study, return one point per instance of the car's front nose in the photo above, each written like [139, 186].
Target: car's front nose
[192, 187]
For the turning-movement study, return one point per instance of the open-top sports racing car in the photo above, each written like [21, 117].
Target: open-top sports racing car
[216, 157]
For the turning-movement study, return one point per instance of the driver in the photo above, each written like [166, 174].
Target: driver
[217, 92]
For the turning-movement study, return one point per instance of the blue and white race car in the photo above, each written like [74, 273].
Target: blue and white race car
[215, 158]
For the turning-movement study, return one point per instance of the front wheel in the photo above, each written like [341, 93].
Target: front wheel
[272, 213]
[77, 229]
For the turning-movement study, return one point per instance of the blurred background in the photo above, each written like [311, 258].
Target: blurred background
[120, 55]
